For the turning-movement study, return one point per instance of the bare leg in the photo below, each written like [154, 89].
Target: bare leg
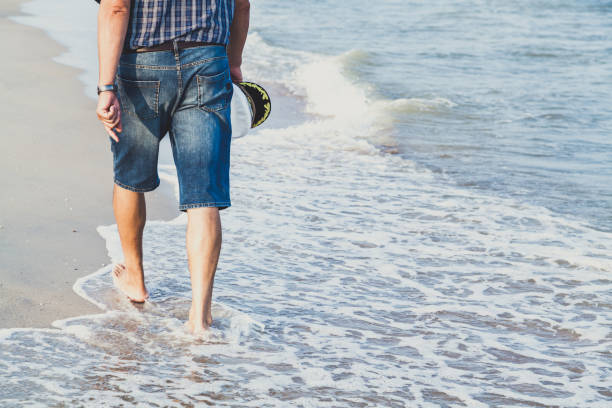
[203, 248]
[130, 214]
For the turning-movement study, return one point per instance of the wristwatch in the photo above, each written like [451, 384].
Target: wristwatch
[104, 88]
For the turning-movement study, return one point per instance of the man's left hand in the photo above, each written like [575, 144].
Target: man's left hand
[109, 113]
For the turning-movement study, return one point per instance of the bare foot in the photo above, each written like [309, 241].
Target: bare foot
[135, 291]
[195, 327]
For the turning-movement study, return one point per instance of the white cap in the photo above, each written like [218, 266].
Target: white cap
[241, 114]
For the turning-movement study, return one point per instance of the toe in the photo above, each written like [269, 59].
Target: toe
[118, 269]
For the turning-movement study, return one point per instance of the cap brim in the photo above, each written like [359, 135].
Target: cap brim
[259, 102]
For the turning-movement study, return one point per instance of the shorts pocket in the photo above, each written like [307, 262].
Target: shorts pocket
[139, 98]
[214, 91]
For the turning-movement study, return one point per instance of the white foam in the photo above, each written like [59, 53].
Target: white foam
[343, 104]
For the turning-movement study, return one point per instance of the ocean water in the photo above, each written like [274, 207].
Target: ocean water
[423, 221]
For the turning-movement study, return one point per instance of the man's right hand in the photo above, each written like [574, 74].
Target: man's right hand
[236, 74]
[109, 113]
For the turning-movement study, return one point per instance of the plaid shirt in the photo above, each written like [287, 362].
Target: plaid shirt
[153, 22]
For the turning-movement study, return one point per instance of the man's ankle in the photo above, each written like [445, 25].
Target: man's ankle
[134, 269]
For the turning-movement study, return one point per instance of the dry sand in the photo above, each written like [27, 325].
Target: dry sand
[55, 181]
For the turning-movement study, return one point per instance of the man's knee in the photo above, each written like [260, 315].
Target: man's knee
[203, 216]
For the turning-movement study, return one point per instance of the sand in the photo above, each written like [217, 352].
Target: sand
[55, 179]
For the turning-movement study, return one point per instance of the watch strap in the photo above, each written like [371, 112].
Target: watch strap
[104, 88]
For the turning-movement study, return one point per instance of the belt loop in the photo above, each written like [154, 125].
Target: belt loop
[176, 48]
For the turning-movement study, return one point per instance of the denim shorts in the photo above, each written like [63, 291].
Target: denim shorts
[185, 93]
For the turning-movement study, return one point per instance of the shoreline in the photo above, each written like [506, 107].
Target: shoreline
[56, 181]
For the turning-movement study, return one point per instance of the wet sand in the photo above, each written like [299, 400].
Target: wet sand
[55, 178]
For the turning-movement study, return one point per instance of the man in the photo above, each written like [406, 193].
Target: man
[167, 67]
